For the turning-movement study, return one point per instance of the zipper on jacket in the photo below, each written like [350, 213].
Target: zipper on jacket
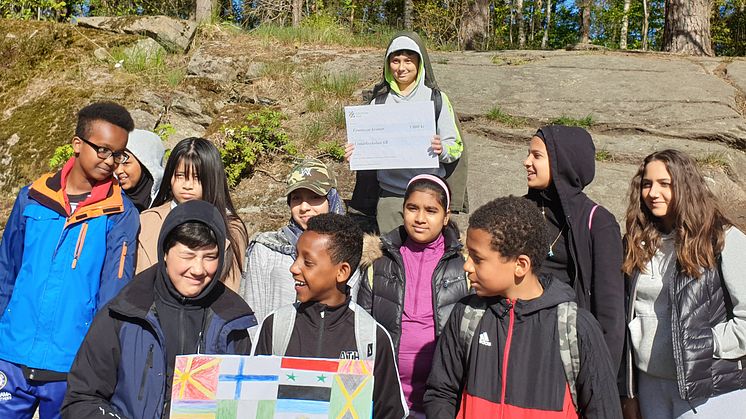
[181, 330]
[321, 335]
[79, 244]
[506, 356]
[122, 257]
[676, 336]
[148, 367]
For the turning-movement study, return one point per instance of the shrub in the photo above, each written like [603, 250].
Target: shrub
[498, 115]
[260, 134]
[61, 155]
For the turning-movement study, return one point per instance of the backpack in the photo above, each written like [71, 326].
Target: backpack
[365, 330]
[567, 313]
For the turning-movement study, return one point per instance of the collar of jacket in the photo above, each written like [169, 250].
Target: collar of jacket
[49, 190]
[136, 299]
[332, 315]
[555, 293]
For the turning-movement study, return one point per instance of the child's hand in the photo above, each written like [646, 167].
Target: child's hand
[436, 145]
[349, 148]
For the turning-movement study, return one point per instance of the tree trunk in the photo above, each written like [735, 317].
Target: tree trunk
[408, 12]
[585, 27]
[206, 9]
[625, 25]
[520, 23]
[545, 38]
[645, 24]
[474, 24]
[687, 27]
[297, 12]
[536, 17]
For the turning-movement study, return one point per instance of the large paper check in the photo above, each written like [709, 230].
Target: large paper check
[391, 136]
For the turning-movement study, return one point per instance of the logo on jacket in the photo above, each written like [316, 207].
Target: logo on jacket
[484, 339]
[3, 380]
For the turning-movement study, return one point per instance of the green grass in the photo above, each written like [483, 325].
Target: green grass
[315, 131]
[315, 104]
[340, 86]
[498, 60]
[175, 76]
[337, 117]
[498, 115]
[714, 160]
[585, 122]
[278, 70]
[604, 155]
[325, 30]
[139, 61]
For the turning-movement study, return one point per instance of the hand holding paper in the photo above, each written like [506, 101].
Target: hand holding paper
[392, 136]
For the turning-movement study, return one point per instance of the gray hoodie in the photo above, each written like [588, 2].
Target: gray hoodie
[148, 149]
[395, 180]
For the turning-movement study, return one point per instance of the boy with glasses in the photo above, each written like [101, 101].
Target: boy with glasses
[67, 249]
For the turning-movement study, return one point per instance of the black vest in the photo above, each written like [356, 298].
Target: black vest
[697, 305]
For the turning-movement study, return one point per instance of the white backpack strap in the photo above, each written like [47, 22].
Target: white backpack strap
[473, 313]
[283, 321]
[590, 219]
[365, 332]
[567, 318]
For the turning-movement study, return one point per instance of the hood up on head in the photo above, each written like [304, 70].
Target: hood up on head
[572, 161]
[411, 41]
[205, 213]
[148, 149]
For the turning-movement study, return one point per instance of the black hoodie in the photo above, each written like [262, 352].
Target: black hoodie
[183, 319]
[515, 368]
[594, 255]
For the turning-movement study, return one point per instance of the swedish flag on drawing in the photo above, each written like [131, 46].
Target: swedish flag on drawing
[268, 387]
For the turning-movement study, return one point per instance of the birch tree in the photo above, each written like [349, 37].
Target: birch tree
[625, 25]
[545, 37]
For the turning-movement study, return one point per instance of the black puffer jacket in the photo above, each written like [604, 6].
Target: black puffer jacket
[385, 302]
[698, 304]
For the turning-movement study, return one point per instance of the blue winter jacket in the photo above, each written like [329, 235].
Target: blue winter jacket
[121, 366]
[57, 269]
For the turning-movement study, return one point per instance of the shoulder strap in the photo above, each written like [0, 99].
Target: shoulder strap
[283, 322]
[473, 313]
[381, 99]
[590, 219]
[437, 98]
[567, 313]
[365, 333]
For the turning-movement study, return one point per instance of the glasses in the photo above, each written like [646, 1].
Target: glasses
[104, 153]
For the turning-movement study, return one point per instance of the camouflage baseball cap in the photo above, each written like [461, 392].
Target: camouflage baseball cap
[313, 175]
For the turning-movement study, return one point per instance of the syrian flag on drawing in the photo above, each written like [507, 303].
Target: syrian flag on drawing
[305, 387]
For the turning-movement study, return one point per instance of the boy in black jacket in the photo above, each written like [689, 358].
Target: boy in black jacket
[516, 363]
[325, 324]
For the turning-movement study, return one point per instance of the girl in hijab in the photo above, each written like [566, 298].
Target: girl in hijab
[141, 174]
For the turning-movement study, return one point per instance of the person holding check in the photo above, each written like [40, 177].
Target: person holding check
[408, 77]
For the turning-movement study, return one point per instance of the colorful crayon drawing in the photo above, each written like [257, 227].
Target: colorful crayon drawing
[269, 387]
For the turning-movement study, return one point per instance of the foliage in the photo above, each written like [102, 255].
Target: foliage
[585, 122]
[244, 144]
[332, 149]
[61, 155]
[34, 9]
[165, 131]
[604, 155]
[439, 25]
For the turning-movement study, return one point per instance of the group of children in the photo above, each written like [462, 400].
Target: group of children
[112, 266]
